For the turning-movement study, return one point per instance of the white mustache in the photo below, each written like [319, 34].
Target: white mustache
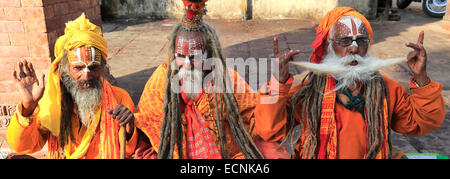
[369, 64]
[347, 74]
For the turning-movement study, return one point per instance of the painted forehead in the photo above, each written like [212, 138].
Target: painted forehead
[84, 55]
[349, 26]
[190, 43]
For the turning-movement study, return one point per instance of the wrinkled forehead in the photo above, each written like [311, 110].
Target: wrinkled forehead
[84, 55]
[349, 26]
[190, 43]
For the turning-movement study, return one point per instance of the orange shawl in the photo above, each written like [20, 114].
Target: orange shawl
[108, 130]
[329, 125]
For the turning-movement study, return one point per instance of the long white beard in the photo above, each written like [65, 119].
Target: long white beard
[87, 100]
[346, 74]
[192, 82]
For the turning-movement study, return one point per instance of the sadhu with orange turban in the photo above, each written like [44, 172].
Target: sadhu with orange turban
[344, 108]
[77, 111]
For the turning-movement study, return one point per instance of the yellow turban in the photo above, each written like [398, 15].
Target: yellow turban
[80, 32]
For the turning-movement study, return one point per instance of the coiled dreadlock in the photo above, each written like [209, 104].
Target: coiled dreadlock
[311, 95]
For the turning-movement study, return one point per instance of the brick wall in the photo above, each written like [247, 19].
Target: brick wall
[28, 30]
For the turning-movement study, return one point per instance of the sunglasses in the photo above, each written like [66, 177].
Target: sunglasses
[347, 41]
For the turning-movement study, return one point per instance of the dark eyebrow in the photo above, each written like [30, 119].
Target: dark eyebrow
[78, 66]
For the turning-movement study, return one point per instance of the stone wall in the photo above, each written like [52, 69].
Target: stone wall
[233, 9]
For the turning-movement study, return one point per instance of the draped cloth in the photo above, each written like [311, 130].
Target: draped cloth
[322, 31]
[103, 125]
[80, 32]
[149, 116]
[200, 143]
[329, 125]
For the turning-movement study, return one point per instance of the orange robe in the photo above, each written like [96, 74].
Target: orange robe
[25, 134]
[149, 114]
[415, 115]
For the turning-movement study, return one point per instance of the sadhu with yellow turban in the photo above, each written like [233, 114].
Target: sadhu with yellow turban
[77, 112]
[344, 108]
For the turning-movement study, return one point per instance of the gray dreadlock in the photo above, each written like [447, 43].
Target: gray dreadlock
[311, 96]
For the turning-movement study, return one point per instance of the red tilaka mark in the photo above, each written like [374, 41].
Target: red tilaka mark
[185, 48]
[84, 53]
[353, 27]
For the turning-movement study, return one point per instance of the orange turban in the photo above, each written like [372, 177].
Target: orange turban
[321, 42]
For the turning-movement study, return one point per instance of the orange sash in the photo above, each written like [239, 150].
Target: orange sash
[200, 142]
[108, 130]
[328, 125]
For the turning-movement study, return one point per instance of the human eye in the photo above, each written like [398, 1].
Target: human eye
[94, 67]
[345, 41]
[362, 41]
[78, 67]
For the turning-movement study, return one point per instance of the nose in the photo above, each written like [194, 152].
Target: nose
[86, 75]
[352, 49]
[188, 63]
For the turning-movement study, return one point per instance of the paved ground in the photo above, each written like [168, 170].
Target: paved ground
[137, 47]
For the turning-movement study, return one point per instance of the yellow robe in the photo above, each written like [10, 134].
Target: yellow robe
[25, 135]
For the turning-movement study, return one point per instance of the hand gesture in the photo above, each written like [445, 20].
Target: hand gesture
[30, 88]
[125, 117]
[417, 60]
[282, 73]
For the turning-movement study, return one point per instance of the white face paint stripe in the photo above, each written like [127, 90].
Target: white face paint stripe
[86, 69]
[186, 60]
[79, 54]
[347, 22]
[93, 53]
[354, 44]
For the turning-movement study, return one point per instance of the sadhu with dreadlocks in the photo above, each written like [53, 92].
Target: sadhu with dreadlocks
[344, 108]
[77, 111]
[181, 113]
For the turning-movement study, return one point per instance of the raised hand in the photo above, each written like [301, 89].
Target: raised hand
[417, 60]
[125, 117]
[30, 88]
[282, 73]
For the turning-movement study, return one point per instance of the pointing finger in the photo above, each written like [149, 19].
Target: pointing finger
[421, 35]
[276, 49]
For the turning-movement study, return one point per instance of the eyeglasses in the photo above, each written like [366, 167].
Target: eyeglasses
[347, 41]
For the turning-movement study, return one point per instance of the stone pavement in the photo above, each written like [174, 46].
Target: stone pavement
[137, 47]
